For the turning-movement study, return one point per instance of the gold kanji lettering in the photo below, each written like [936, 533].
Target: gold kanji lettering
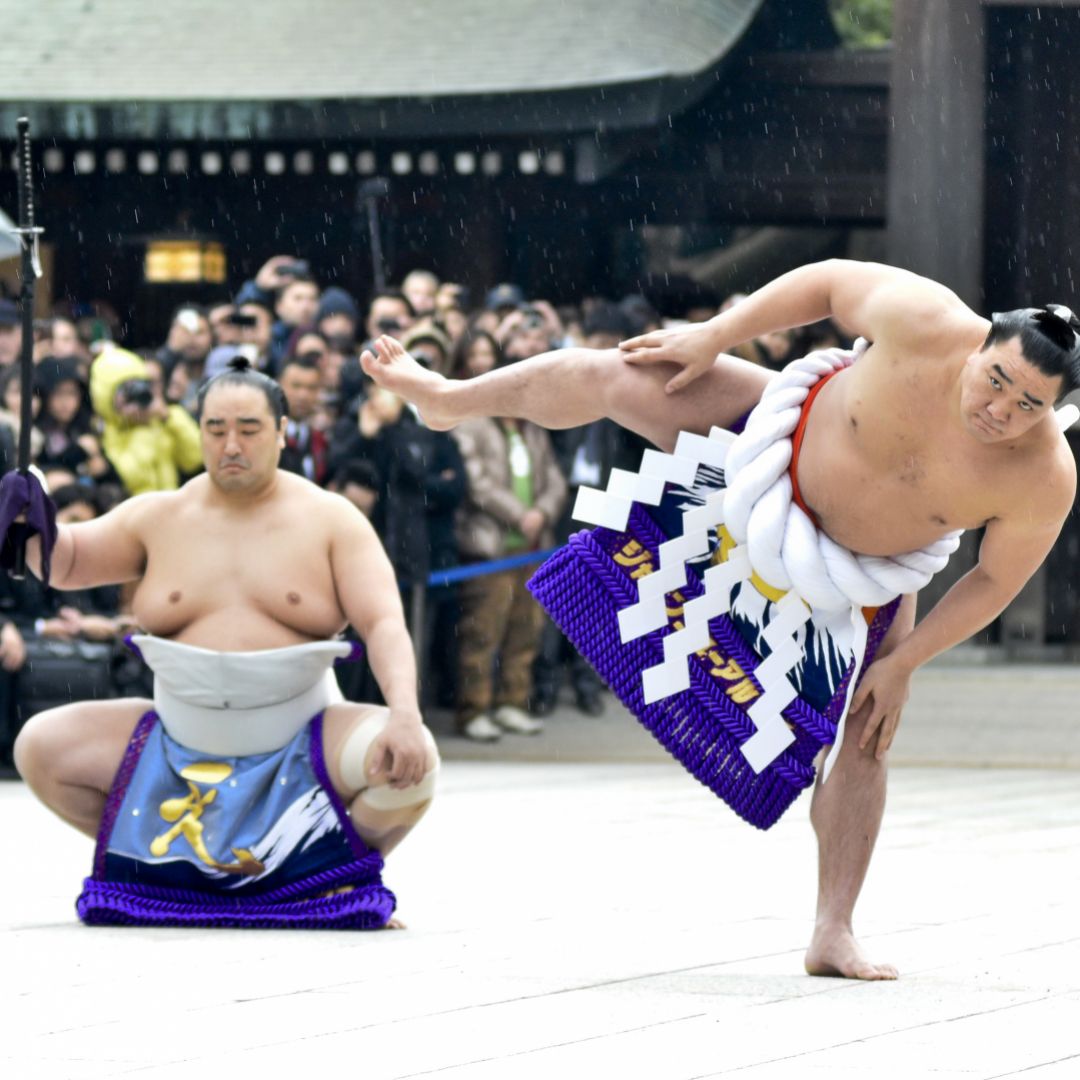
[743, 692]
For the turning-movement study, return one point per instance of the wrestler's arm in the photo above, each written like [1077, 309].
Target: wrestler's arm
[368, 593]
[106, 551]
[1013, 548]
[867, 299]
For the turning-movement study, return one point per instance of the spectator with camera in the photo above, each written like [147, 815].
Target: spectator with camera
[150, 444]
[428, 345]
[285, 284]
[187, 347]
[222, 323]
[389, 312]
[530, 330]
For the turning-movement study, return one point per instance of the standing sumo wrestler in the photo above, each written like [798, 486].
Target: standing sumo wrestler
[247, 792]
[945, 423]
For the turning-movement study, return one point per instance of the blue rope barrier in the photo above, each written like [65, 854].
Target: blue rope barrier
[462, 573]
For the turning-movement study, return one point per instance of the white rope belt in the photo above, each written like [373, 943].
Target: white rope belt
[784, 545]
[774, 538]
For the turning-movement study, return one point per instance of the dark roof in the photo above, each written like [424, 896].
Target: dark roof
[112, 51]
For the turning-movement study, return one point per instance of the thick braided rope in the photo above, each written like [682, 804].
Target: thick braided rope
[784, 546]
[774, 539]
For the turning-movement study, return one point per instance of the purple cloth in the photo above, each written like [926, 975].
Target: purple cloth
[22, 493]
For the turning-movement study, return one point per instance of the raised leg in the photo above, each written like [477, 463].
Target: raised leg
[846, 814]
[383, 816]
[571, 387]
[69, 756]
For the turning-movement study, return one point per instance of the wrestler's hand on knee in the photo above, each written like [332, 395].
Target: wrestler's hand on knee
[400, 752]
[882, 694]
[692, 348]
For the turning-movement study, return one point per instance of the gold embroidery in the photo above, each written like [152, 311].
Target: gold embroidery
[186, 812]
[720, 555]
[742, 692]
[633, 554]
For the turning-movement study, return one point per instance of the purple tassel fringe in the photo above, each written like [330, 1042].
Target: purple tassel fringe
[583, 589]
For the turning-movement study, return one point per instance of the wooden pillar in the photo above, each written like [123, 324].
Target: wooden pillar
[936, 149]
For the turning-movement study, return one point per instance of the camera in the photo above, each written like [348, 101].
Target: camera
[531, 318]
[300, 268]
[137, 392]
[238, 318]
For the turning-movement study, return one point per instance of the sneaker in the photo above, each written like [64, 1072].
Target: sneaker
[590, 703]
[481, 729]
[542, 704]
[511, 718]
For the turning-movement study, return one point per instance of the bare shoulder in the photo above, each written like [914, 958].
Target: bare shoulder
[334, 511]
[908, 310]
[143, 514]
[1045, 488]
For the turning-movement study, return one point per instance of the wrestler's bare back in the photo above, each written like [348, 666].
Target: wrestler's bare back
[238, 578]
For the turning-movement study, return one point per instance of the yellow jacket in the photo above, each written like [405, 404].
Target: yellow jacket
[147, 457]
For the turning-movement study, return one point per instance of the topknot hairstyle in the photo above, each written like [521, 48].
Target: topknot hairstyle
[1049, 339]
[239, 372]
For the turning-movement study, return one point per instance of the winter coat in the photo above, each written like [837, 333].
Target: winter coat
[491, 510]
[146, 456]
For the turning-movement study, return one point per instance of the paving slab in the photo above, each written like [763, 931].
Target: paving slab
[970, 708]
[585, 918]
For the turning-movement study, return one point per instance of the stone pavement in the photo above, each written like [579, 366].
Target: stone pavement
[969, 709]
[584, 918]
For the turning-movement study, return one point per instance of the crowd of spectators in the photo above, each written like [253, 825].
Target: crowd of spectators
[111, 422]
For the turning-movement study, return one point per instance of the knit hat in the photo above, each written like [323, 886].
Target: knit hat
[335, 301]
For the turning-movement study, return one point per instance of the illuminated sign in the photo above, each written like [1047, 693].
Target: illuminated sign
[184, 261]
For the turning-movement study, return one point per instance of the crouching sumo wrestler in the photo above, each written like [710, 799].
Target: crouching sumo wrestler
[248, 793]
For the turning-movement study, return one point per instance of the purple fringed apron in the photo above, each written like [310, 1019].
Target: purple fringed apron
[262, 840]
[584, 586]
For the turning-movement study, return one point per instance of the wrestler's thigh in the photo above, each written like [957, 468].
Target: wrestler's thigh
[636, 399]
[81, 744]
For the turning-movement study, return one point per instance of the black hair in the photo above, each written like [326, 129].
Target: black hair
[392, 294]
[463, 346]
[241, 373]
[607, 318]
[294, 279]
[302, 361]
[1049, 340]
[360, 472]
[70, 494]
[640, 312]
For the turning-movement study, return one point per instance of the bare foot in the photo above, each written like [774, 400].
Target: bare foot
[394, 924]
[835, 952]
[395, 370]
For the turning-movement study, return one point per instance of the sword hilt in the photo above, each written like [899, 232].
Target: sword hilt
[26, 178]
[28, 237]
